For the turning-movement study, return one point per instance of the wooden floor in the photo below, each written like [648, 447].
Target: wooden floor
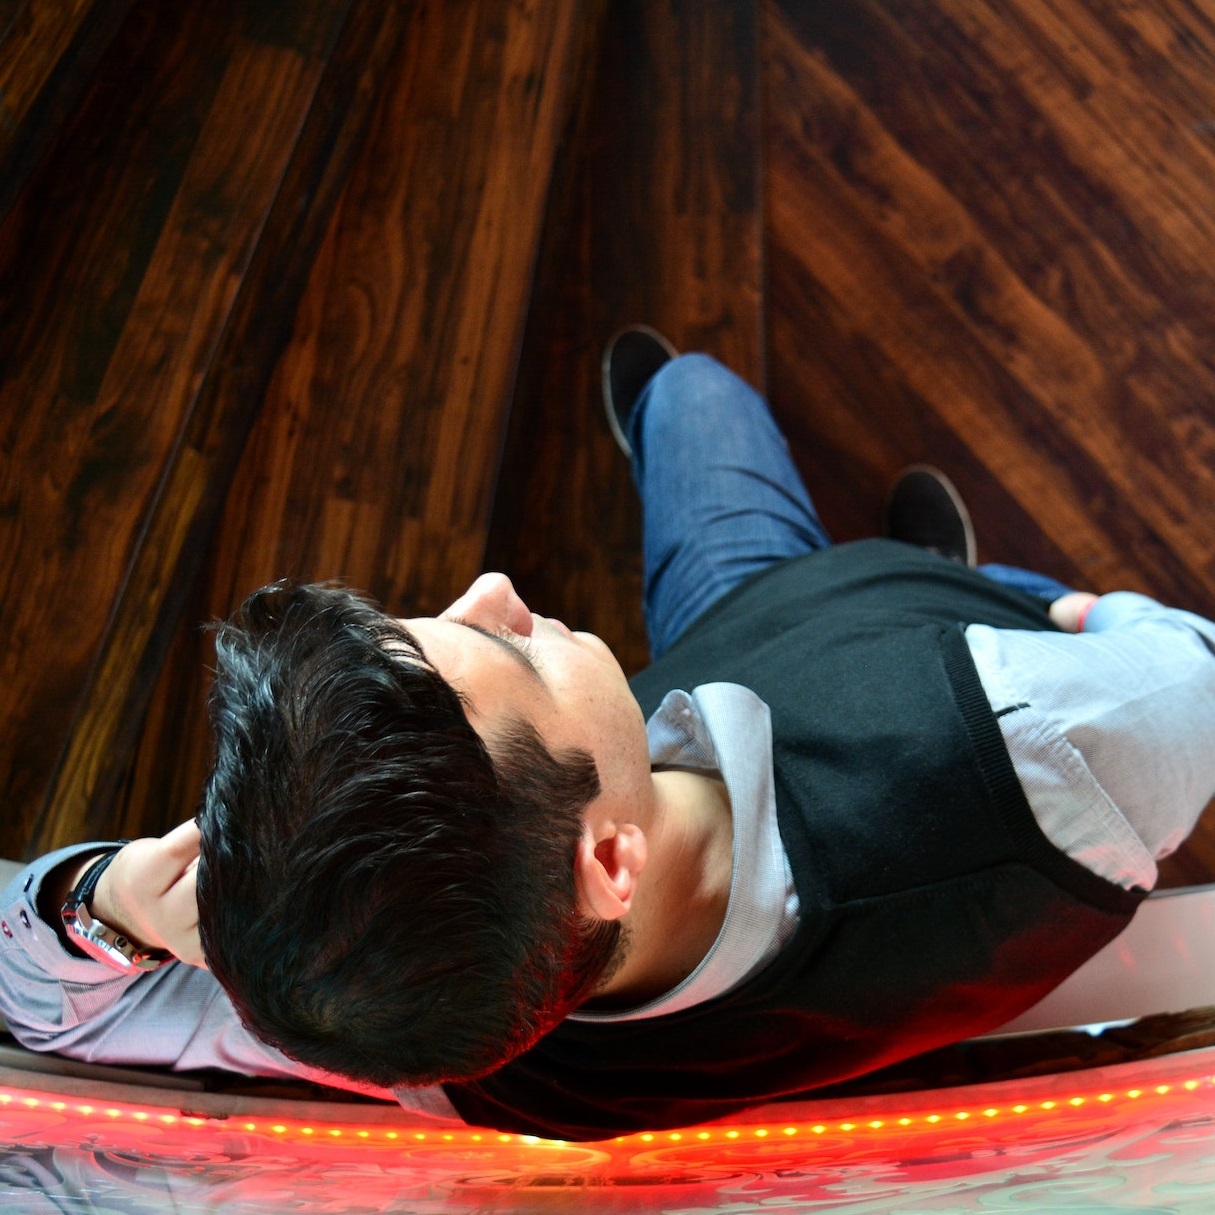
[289, 291]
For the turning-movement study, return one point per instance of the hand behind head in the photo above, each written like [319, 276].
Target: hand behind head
[147, 893]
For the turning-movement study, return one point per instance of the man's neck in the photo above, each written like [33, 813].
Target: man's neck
[681, 900]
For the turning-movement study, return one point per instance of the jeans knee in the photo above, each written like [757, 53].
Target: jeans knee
[690, 386]
[690, 373]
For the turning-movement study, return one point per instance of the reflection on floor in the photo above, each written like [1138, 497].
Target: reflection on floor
[1135, 1136]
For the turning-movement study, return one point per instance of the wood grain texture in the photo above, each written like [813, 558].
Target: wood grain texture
[378, 445]
[78, 468]
[195, 489]
[48, 51]
[162, 304]
[377, 448]
[1014, 237]
[660, 222]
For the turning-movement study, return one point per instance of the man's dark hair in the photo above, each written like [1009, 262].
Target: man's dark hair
[379, 896]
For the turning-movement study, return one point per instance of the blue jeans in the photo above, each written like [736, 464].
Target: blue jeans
[720, 497]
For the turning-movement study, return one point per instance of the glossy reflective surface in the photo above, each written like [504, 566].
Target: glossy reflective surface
[1137, 1137]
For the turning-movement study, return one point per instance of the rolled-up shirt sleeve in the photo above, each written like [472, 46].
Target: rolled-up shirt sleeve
[1111, 731]
[177, 1017]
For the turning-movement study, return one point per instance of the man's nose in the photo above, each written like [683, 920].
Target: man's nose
[493, 602]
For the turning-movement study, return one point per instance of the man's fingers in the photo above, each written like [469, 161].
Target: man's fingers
[183, 841]
[161, 863]
[181, 898]
[179, 906]
[1069, 610]
[149, 893]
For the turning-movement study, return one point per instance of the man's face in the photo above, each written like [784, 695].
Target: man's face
[510, 664]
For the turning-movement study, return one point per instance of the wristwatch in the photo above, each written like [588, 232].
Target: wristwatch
[98, 940]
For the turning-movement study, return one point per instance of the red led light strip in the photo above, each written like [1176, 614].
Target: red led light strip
[316, 1131]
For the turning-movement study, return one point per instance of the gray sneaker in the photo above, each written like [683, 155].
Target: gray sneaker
[924, 508]
[630, 361]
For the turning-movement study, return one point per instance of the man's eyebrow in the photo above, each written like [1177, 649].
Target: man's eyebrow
[519, 655]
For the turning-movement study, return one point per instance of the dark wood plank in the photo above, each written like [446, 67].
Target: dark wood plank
[135, 283]
[675, 236]
[378, 444]
[229, 400]
[1016, 251]
[661, 223]
[376, 452]
[990, 249]
[77, 472]
[48, 50]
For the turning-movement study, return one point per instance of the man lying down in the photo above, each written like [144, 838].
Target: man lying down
[867, 801]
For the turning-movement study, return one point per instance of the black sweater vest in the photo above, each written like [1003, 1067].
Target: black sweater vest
[932, 906]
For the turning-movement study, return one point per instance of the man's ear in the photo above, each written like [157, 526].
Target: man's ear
[609, 858]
